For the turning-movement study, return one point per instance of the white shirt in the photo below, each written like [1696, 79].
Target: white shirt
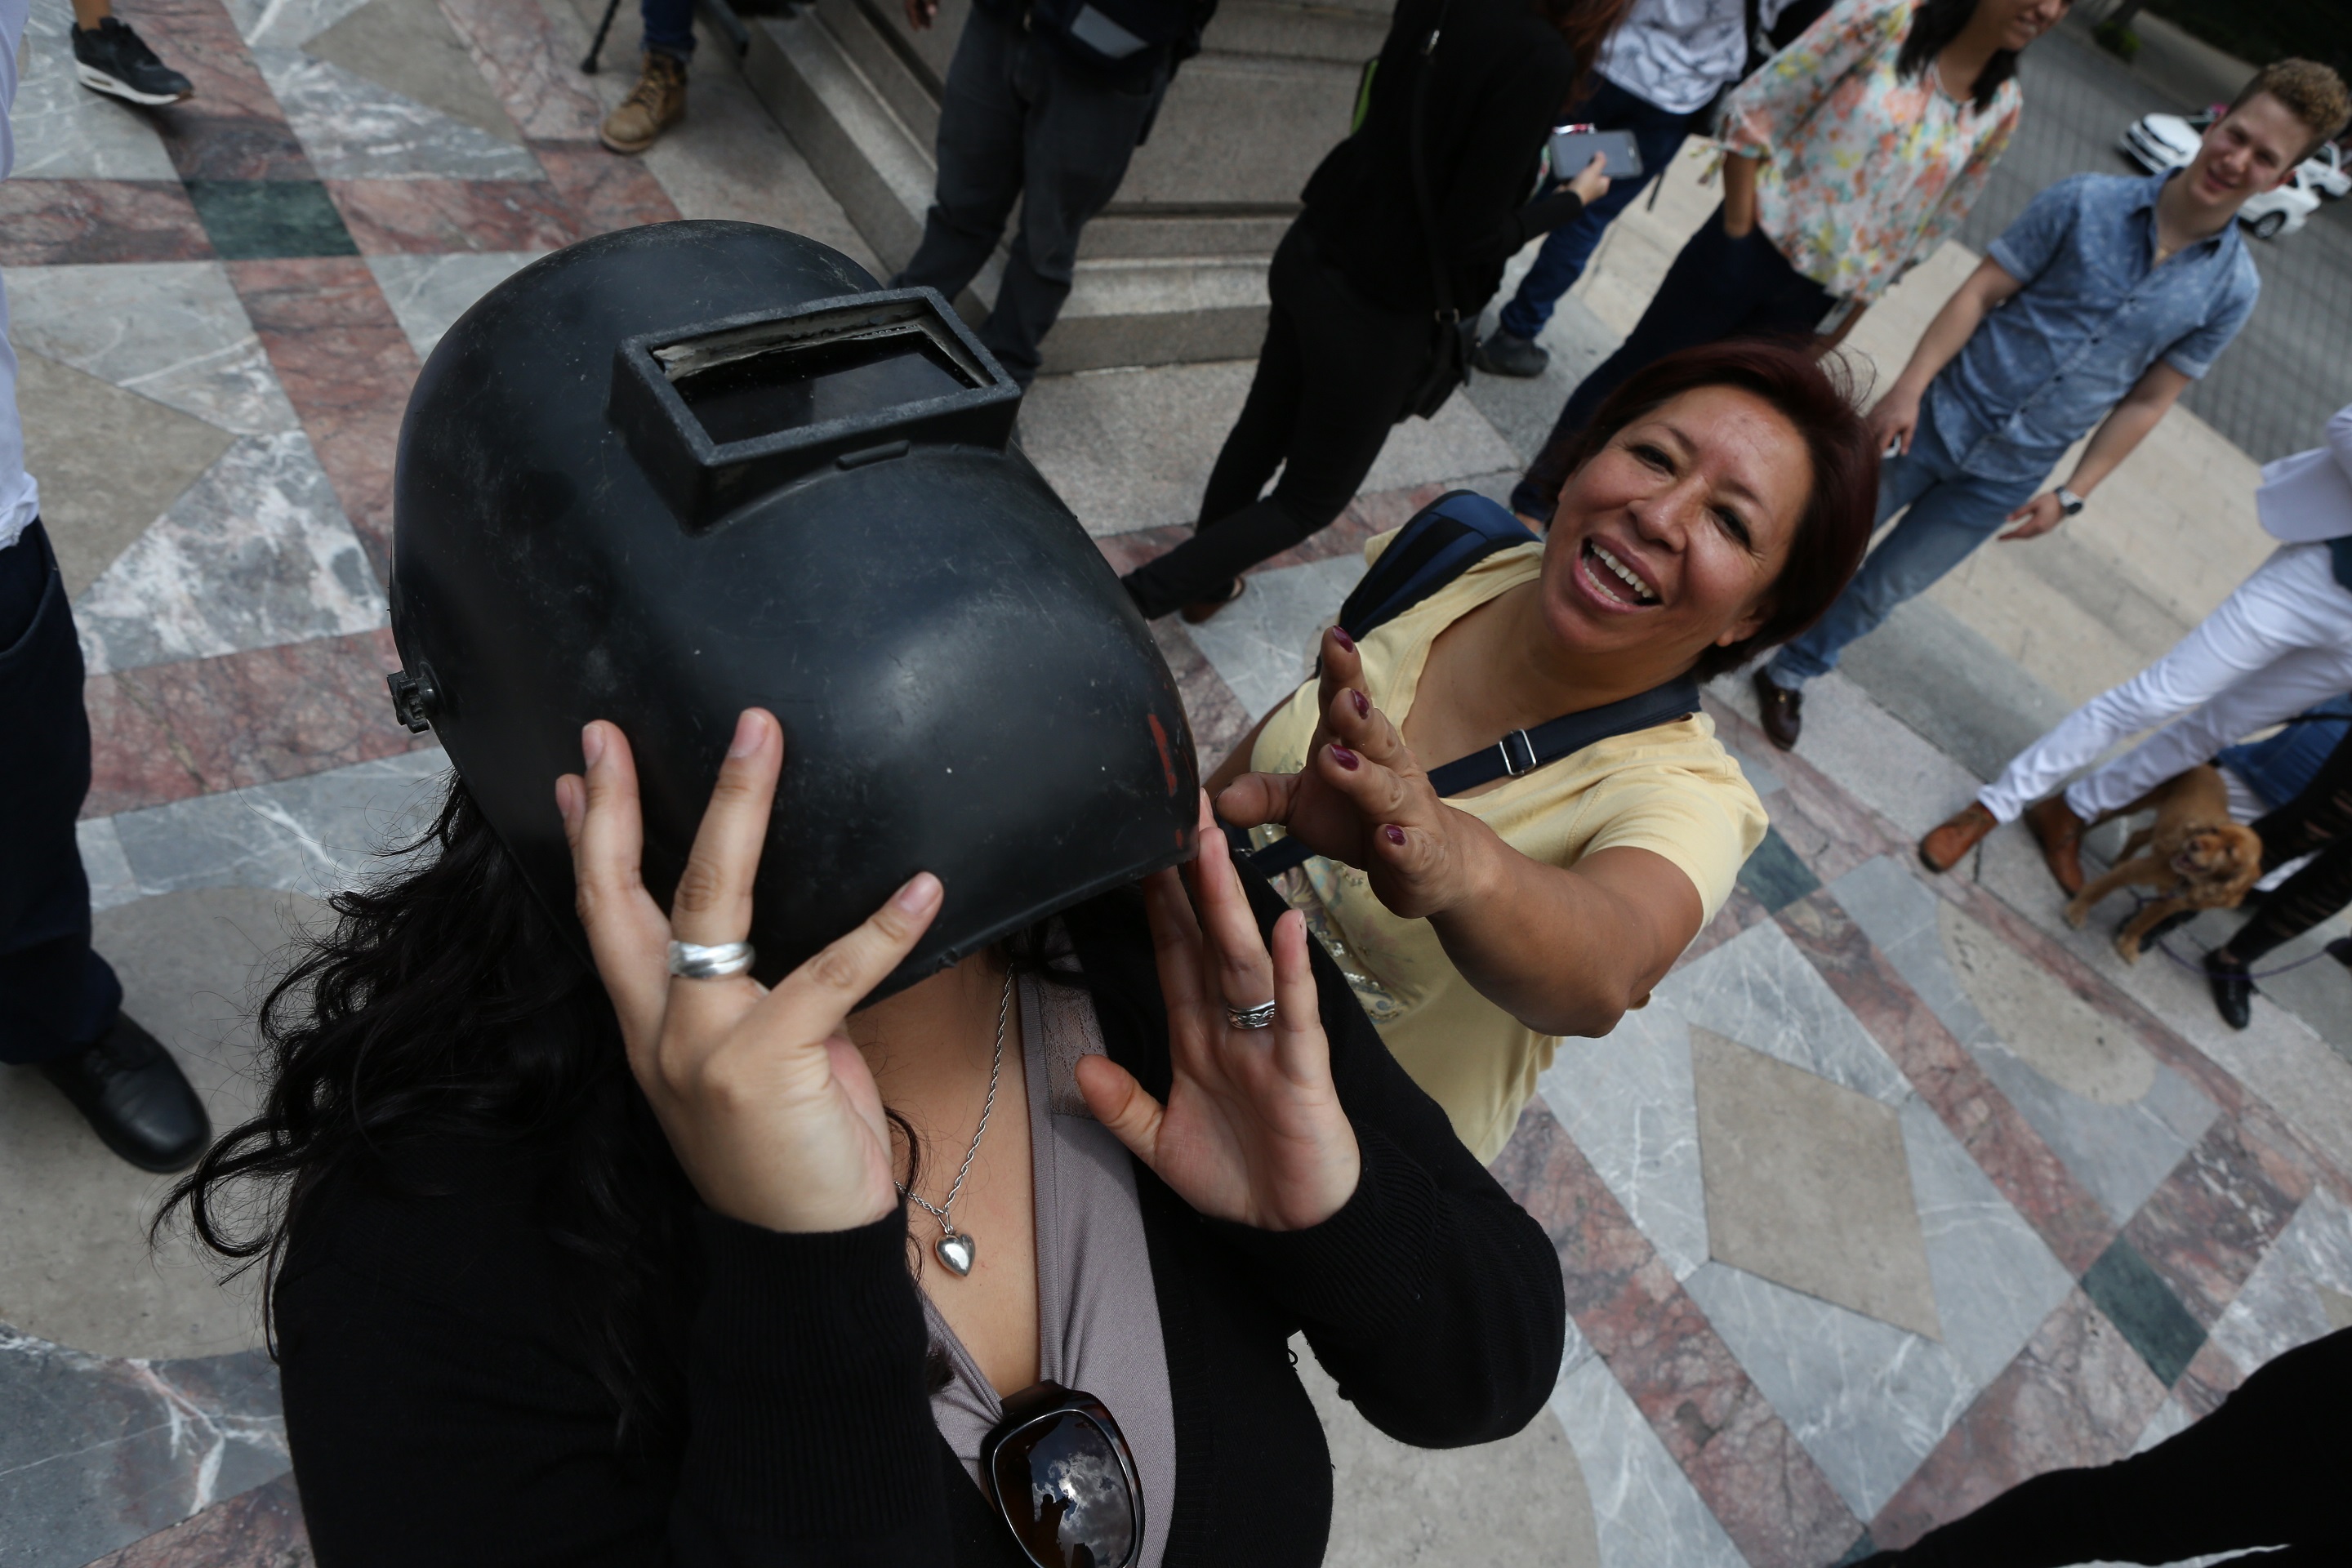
[2309, 495]
[20, 498]
[1676, 53]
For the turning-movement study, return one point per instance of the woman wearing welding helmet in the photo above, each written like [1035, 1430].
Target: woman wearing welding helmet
[978, 1234]
[1716, 505]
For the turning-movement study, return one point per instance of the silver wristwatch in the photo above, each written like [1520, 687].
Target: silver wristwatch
[2069, 503]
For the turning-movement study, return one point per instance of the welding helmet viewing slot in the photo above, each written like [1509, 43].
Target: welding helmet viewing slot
[672, 472]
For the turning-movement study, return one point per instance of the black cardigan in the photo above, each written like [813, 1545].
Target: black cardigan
[1500, 82]
[441, 1406]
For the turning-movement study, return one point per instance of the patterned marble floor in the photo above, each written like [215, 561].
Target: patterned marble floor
[1891, 1197]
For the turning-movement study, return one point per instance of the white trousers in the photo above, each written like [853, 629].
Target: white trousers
[2279, 644]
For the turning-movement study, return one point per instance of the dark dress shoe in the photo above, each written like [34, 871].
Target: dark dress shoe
[1503, 354]
[2233, 990]
[135, 1097]
[1783, 710]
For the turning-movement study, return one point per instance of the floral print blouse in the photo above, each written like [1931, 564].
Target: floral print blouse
[1864, 173]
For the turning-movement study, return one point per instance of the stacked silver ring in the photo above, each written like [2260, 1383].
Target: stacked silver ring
[1259, 1018]
[693, 961]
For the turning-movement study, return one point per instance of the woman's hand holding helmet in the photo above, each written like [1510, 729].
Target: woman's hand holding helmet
[1253, 1131]
[1364, 799]
[769, 1107]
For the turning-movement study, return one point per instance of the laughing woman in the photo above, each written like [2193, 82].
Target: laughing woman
[1715, 506]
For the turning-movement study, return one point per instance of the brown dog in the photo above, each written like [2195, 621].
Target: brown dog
[2197, 858]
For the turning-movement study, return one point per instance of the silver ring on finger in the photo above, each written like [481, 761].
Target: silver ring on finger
[1259, 1018]
[693, 961]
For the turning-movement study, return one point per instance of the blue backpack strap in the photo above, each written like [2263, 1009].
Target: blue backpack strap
[1444, 540]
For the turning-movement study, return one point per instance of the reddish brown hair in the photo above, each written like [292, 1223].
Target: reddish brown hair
[1819, 399]
[1586, 24]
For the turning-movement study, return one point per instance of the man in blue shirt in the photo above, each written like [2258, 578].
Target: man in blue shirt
[2098, 306]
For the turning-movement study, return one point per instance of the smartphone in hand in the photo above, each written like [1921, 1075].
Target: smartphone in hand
[1572, 147]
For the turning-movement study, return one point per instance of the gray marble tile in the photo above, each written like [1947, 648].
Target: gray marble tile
[1869, 1401]
[1758, 990]
[111, 881]
[1761, 779]
[65, 131]
[2285, 1302]
[1996, 1281]
[286, 23]
[1264, 643]
[2120, 1152]
[172, 331]
[256, 553]
[356, 129]
[312, 835]
[428, 293]
[97, 1452]
[1628, 1101]
[1645, 1512]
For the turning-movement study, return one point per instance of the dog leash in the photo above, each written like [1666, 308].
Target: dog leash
[2144, 902]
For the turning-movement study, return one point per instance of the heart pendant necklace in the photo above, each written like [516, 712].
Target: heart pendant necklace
[955, 1247]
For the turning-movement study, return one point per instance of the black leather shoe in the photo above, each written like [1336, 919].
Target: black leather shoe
[1782, 712]
[135, 1097]
[2233, 990]
[1503, 355]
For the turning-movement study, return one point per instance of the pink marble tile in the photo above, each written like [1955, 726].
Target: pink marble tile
[604, 192]
[1830, 830]
[233, 129]
[347, 368]
[168, 732]
[439, 216]
[1218, 719]
[52, 223]
[2077, 1395]
[2215, 1216]
[1997, 1136]
[2212, 1376]
[259, 1529]
[533, 67]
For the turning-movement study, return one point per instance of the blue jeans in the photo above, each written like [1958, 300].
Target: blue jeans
[1658, 132]
[668, 28]
[1951, 513]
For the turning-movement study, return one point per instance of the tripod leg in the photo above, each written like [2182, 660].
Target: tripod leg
[588, 66]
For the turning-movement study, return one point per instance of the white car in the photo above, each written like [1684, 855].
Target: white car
[2329, 172]
[2159, 142]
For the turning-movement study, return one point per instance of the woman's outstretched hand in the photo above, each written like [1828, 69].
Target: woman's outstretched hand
[1253, 1131]
[1364, 799]
[769, 1105]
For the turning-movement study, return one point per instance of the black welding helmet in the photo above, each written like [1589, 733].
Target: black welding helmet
[675, 472]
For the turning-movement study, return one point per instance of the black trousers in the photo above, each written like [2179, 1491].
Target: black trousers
[2318, 822]
[1020, 120]
[2269, 1468]
[1330, 379]
[1718, 287]
[54, 993]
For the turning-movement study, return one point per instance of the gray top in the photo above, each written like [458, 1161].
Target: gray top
[1097, 1317]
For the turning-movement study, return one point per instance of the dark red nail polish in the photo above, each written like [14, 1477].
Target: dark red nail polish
[1344, 757]
[1345, 640]
[1363, 705]
[1394, 835]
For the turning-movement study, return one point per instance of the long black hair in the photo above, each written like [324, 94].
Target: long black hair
[1934, 25]
[444, 1002]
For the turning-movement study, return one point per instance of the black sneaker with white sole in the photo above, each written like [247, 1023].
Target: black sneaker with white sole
[113, 59]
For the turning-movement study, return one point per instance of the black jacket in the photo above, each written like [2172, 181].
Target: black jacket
[1500, 81]
[441, 1406]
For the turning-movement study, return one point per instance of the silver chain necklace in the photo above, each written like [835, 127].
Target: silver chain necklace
[956, 1247]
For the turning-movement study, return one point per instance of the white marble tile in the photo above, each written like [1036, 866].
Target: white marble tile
[1645, 1512]
[1886, 764]
[356, 129]
[1869, 1401]
[65, 131]
[111, 881]
[286, 23]
[1758, 990]
[313, 835]
[1996, 1281]
[1628, 1102]
[2281, 1305]
[1264, 643]
[428, 293]
[2171, 1419]
[256, 553]
[172, 331]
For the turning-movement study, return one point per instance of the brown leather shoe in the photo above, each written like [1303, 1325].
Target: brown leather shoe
[1783, 710]
[2060, 832]
[653, 106]
[1942, 849]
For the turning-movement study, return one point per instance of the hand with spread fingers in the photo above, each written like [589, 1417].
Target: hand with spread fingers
[769, 1107]
[1253, 1131]
[1364, 799]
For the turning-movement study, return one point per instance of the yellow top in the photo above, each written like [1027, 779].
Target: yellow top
[1671, 789]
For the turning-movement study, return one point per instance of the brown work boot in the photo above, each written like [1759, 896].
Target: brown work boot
[653, 106]
[1942, 849]
[2060, 832]
[1782, 710]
